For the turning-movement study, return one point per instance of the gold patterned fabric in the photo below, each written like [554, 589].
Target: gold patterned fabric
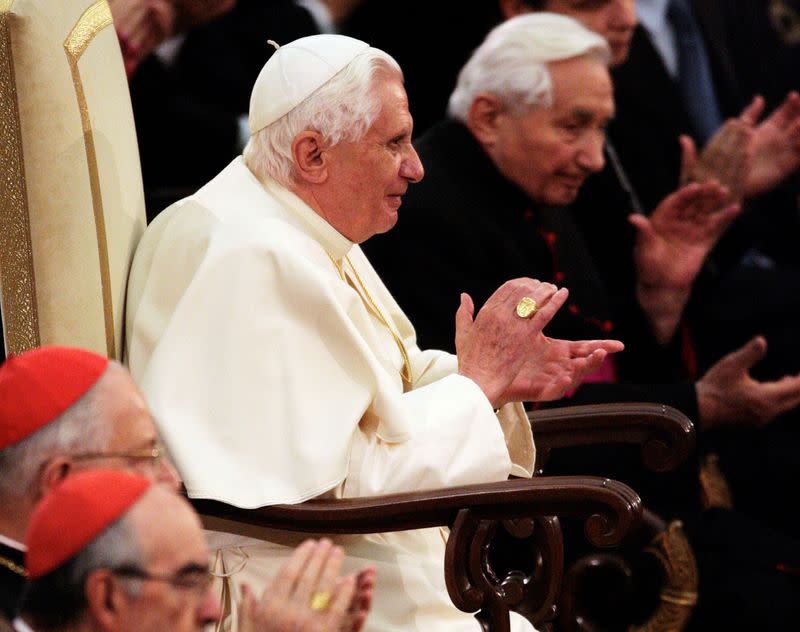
[71, 200]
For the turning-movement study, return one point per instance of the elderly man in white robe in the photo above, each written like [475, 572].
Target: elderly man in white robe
[281, 368]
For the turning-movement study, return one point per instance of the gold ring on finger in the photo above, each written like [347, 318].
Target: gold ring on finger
[526, 307]
[320, 600]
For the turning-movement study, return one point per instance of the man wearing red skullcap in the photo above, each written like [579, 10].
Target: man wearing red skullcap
[109, 550]
[63, 410]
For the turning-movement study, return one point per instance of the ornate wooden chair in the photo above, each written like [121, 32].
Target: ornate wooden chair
[71, 213]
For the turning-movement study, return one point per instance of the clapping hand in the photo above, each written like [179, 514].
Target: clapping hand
[728, 395]
[673, 242]
[510, 358]
[671, 246]
[726, 159]
[307, 595]
[775, 144]
[746, 156]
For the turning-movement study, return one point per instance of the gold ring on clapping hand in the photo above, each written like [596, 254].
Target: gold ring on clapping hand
[320, 600]
[526, 307]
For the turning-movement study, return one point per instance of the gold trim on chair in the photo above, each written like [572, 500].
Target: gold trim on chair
[17, 280]
[94, 19]
[679, 594]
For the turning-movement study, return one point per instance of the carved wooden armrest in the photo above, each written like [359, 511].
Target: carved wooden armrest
[609, 507]
[666, 435]
[521, 514]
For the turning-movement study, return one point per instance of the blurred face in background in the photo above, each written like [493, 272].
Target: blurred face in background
[615, 20]
[548, 152]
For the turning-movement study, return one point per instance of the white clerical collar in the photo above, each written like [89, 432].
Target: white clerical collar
[12, 543]
[334, 243]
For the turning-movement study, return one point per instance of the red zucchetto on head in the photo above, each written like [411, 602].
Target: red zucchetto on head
[40, 384]
[75, 512]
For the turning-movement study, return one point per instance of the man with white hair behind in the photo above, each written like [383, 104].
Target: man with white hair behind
[284, 367]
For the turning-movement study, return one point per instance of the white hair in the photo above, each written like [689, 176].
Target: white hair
[82, 427]
[511, 63]
[343, 108]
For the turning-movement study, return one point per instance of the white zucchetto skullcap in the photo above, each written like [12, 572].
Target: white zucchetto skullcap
[295, 71]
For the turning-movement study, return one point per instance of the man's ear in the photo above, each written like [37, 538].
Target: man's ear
[309, 158]
[53, 472]
[483, 118]
[103, 598]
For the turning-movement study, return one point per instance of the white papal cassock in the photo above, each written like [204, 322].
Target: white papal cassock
[274, 381]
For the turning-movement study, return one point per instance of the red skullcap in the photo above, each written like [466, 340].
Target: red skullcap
[74, 513]
[40, 384]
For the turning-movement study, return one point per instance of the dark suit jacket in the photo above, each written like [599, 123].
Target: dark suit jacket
[764, 63]
[650, 114]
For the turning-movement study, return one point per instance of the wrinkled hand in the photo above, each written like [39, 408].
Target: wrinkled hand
[728, 395]
[673, 242]
[555, 367]
[775, 144]
[726, 158]
[141, 25]
[492, 347]
[285, 603]
[670, 248]
[509, 357]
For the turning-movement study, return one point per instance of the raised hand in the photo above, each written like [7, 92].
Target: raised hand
[555, 367]
[510, 358]
[728, 395]
[775, 143]
[307, 595]
[671, 246]
[492, 347]
[726, 158]
[673, 242]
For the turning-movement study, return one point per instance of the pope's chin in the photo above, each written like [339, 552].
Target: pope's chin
[389, 221]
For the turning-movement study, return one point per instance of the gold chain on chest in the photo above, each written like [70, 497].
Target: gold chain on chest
[13, 567]
[405, 373]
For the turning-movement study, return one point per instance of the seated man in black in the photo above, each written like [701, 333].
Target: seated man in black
[529, 114]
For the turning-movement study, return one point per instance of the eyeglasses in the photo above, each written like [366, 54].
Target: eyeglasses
[152, 454]
[192, 578]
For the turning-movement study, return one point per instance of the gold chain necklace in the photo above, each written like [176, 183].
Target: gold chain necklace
[14, 568]
[405, 373]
